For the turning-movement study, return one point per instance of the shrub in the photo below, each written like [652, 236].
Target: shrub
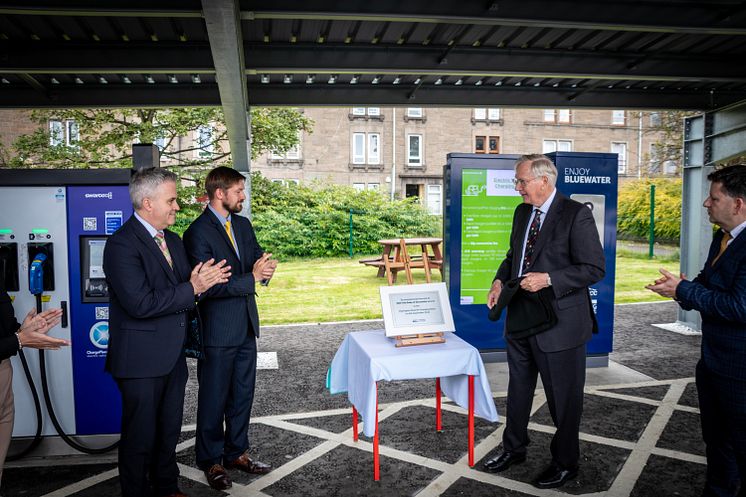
[314, 220]
[634, 209]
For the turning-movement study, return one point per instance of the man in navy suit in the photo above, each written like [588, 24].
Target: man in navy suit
[152, 288]
[230, 326]
[554, 245]
[719, 294]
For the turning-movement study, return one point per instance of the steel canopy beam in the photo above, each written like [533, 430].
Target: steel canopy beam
[224, 32]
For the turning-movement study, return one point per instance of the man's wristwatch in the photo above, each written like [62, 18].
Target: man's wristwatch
[549, 280]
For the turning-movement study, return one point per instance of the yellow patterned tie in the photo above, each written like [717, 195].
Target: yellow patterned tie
[230, 236]
[160, 240]
[723, 246]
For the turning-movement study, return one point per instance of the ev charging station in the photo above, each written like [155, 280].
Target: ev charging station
[480, 200]
[54, 227]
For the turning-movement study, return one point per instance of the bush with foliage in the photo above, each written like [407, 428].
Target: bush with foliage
[634, 209]
[314, 220]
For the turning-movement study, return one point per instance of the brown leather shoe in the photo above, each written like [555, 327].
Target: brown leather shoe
[244, 463]
[218, 477]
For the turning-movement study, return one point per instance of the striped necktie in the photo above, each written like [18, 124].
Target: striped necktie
[160, 240]
[230, 236]
[533, 234]
[723, 246]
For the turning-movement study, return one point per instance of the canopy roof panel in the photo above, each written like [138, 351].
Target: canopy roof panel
[655, 54]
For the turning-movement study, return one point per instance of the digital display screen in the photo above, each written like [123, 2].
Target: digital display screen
[96, 258]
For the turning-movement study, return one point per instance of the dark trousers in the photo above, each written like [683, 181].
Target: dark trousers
[722, 406]
[563, 376]
[227, 376]
[151, 424]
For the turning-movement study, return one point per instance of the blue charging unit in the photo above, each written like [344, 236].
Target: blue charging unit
[480, 200]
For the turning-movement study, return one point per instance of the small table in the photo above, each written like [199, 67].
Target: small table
[365, 357]
[390, 264]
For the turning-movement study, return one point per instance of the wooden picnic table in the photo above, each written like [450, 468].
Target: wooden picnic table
[395, 257]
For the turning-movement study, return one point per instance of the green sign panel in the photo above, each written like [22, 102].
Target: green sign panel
[488, 201]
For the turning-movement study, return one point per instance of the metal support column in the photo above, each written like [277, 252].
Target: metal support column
[709, 139]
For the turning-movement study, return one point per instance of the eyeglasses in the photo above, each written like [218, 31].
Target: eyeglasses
[523, 182]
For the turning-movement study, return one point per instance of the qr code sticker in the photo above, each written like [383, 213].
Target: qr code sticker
[102, 313]
[89, 224]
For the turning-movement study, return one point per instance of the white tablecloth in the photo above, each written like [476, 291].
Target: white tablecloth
[366, 357]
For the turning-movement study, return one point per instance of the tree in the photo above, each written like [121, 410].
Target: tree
[668, 148]
[103, 138]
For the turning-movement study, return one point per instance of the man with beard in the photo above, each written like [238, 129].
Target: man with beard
[230, 326]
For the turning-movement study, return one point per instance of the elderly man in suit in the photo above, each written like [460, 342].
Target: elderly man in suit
[554, 244]
[719, 294]
[152, 288]
[227, 371]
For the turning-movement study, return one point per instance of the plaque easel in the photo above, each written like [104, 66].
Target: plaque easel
[419, 339]
[418, 314]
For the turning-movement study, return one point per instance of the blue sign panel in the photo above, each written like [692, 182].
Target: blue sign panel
[94, 212]
[480, 202]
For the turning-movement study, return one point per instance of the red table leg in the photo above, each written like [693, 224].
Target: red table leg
[438, 418]
[354, 423]
[471, 421]
[376, 469]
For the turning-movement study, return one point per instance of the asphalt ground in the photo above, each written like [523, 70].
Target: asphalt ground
[639, 435]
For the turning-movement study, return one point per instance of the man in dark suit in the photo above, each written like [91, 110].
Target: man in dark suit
[719, 294]
[230, 326]
[151, 288]
[554, 243]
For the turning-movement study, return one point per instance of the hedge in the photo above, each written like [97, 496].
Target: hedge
[634, 209]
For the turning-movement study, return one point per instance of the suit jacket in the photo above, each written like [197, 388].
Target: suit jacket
[719, 294]
[569, 249]
[8, 327]
[228, 310]
[149, 302]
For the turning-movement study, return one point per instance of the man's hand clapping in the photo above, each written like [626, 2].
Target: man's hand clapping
[207, 274]
[264, 268]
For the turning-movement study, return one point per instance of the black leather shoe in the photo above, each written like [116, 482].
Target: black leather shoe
[554, 477]
[503, 460]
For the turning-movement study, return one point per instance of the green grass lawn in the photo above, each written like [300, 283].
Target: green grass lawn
[341, 289]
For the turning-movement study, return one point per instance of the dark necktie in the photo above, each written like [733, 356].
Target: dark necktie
[533, 234]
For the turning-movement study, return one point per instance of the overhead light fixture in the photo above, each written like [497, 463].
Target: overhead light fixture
[287, 79]
[172, 79]
[439, 81]
[555, 85]
[332, 79]
[149, 79]
[459, 82]
[499, 83]
[418, 81]
[478, 83]
[78, 81]
[536, 85]
[517, 83]
[354, 79]
[196, 79]
[5, 81]
[266, 39]
[375, 80]
[397, 80]
[574, 85]
[102, 80]
[54, 81]
[265, 78]
[125, 79]
[309, 79]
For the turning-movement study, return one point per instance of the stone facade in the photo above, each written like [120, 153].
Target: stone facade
[328, 154]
